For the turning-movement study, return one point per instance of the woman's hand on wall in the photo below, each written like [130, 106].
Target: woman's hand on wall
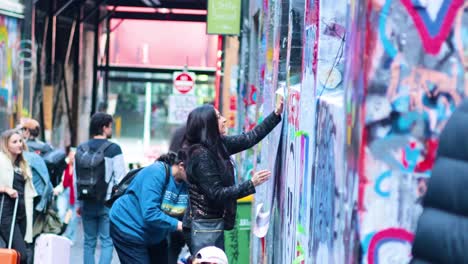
[279, 105]
[261, 177]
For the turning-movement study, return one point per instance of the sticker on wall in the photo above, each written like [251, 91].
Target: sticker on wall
[262, 222]
[330, 79]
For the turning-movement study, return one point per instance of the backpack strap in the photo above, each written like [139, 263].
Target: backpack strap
[104, 146]
[166, 182]
[85, 146]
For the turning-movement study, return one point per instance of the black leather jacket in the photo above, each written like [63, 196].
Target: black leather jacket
[213, 193]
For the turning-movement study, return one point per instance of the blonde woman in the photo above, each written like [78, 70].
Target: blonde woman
[16, 183]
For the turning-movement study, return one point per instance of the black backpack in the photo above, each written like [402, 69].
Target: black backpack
[120, 189]
[56, 165]
[91, 172]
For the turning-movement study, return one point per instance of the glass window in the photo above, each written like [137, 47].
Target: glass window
[129, 89]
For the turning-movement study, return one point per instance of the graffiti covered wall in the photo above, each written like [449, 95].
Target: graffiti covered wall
[377, 81]
[10, 38]
[411, 80]
[310, 202]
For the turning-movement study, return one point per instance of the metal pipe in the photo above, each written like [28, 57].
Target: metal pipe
[106, 76]
[76, 78]
[219, 69]
[70, 42]
[63, 8]
[67, 101]
[93, 11]
[109, 14]
[95, 64]
[62, 75]
[52, 47]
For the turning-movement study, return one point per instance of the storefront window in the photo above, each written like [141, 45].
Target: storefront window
[128, 90]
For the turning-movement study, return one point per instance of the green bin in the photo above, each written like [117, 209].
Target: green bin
[237, 241]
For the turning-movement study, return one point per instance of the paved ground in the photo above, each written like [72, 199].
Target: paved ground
[77, 249]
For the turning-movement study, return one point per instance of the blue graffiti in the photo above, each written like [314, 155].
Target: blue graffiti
[324, 180]
[378, 184]
[387, 44]
[305, 177]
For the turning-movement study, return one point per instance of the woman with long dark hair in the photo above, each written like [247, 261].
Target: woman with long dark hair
[213, 192]
[143, 217]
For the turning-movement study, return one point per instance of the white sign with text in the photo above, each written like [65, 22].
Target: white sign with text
[180, 107]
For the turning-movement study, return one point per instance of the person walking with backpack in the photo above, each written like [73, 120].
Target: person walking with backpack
[149, 210]
[99, 165]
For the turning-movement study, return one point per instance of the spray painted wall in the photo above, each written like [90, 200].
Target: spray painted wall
[379, 79]
[10, 38]
[411, 80]
[310, 202]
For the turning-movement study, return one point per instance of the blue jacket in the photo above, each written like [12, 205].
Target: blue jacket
[138, 212]
[41, 179]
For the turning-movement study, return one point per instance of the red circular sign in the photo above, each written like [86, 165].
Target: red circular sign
[184, 83]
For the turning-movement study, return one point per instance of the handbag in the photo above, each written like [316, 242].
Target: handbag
[48, 222]
[205, 233]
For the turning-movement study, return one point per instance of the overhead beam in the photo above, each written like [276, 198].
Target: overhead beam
[190, 4]
[209, 71]
[159, 16]
[144, 80]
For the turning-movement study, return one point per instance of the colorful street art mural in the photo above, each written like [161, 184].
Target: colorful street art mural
[10, 38]
[397, 104]
[377, 81]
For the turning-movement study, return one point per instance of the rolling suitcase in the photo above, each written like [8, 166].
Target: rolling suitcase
[51, 249]
[8, 255]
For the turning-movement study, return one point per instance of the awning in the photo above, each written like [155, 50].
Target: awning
[12, 8]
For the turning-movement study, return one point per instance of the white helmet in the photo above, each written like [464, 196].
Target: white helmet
[211, 255]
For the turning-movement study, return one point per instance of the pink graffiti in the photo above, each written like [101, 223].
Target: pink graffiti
[395, 235]
[293, 113]
[432, 41]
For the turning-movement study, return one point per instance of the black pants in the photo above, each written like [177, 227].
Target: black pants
[18, 242]
[176, 243]
[131, 251]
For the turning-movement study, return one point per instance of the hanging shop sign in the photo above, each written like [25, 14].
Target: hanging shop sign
[12, 8]
[223, 17]
[184, 82]
[180, 106]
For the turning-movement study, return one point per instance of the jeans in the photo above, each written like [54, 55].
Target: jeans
[176, 243]
[95, 218]
[63, 205]
[132, 251]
